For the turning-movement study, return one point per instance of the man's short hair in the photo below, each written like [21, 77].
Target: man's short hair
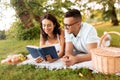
[73, 13]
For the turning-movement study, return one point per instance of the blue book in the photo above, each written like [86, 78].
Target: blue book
[42, 52]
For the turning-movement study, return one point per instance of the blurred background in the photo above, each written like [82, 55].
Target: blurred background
[20, 18]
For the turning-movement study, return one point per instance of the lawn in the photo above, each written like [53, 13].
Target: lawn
[30, 72]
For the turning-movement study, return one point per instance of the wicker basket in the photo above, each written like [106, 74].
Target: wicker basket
[106, 59]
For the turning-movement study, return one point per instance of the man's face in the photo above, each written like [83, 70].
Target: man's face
[70, 24]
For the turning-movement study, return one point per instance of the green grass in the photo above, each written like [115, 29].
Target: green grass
[15, 46]
[108, 27]
[30, 72]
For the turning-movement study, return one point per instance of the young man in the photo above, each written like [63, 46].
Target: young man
[80, 38]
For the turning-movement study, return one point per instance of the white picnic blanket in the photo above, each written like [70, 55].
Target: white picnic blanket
[59, 65]
[56, 64]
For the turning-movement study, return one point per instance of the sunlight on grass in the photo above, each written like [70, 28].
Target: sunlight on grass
[15, 46]
[115, 38]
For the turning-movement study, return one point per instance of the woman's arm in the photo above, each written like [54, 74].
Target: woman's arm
[62, 44]
[42, 41]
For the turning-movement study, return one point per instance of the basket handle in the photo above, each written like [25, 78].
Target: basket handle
[104, 36]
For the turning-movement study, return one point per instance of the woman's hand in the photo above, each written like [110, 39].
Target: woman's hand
[38, 60]
[49, 58]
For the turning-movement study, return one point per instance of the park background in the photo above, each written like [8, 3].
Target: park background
[24, 29]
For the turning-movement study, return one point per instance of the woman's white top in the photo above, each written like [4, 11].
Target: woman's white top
[57, 45]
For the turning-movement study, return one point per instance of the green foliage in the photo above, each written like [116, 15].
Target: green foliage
[19, 5]
[36, 6]
[39, 7]
[19, 32]
[11, 33]
[28, 34]
[108, 10]
[2, 35]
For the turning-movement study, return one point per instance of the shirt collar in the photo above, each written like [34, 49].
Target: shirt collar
[80, 32]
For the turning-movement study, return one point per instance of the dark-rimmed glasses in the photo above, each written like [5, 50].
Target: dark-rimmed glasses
[69, 25]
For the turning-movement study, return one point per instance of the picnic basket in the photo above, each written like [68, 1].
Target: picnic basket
[106, 59]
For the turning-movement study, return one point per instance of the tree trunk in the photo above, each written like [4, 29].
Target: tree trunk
[24, 14]
[26, 20]
[114, 17]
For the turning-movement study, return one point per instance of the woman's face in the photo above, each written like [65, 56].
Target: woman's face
[47, 26]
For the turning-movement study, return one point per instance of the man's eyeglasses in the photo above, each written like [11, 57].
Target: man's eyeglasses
[69, 25]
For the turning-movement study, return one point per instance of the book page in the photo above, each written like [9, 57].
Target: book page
[32, 46]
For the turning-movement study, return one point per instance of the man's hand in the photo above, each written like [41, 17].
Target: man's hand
[69, 60]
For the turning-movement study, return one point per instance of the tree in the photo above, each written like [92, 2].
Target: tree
[29, 10]
[23, 12]
[109, 10]
[2, 35]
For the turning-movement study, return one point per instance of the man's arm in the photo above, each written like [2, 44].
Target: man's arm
[87, 56]
[70, 59]
[68, 53]
[68, 48]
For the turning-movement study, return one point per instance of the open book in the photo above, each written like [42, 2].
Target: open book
[42, 52]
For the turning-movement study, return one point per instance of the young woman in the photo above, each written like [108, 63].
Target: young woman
[51, 35]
